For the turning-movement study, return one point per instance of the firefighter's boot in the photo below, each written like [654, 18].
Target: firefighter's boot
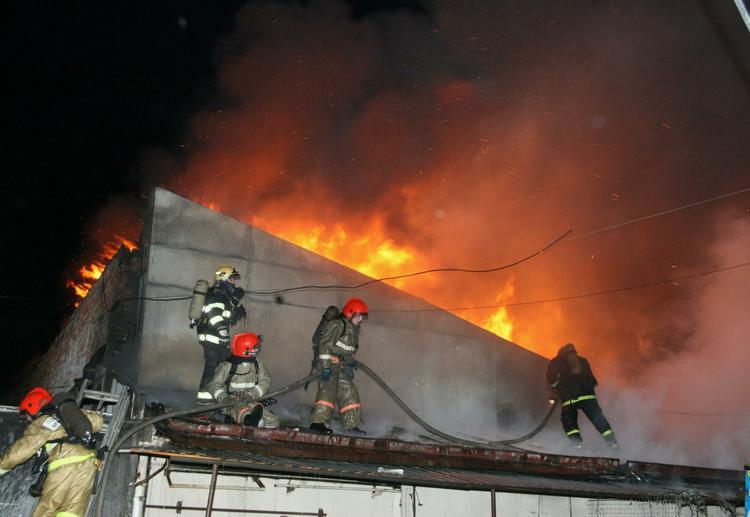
[319, 428]
[253, 417]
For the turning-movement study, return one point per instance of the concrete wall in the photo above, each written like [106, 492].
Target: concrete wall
[445, 368]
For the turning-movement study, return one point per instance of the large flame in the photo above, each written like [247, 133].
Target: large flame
[499, 322]
[369, 250]
[90, 273]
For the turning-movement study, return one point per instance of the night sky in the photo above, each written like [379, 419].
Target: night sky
[436, 133]
[90, 90]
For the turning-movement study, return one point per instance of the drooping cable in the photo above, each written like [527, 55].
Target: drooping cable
[574, 296]
[416, 273]
[658, 214]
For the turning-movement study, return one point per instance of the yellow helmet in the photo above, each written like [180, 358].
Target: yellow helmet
[225, 273]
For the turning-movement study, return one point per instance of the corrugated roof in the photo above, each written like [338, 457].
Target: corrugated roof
[620, 487]
[376, 460]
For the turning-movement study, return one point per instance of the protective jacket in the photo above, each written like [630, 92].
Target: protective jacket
[565, 381]
[219, 313]
[251, 378]
[72, 467]
[338, 343]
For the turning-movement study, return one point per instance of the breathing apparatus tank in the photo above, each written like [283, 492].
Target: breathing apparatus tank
[196, 302]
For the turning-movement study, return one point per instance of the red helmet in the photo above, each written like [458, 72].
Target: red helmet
[246, 344]
[354, 306]
[35, 400]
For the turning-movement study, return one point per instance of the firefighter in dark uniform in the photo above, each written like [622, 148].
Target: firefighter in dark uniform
[339, 342]
[221, 310]
[571, 381]
[71, 467]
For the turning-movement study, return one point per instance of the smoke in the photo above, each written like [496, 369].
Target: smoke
[456, 136]
[708, 381]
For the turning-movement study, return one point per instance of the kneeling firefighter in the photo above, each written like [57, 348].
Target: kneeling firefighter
[571, 381]
[338, 341]
[244, 376]
[63, 438]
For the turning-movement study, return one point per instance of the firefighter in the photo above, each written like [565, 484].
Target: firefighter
[571, 381]
[71, 466]
[221, 309]
[244, 375]
[339, 340]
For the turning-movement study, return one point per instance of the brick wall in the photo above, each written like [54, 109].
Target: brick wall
[101, 318]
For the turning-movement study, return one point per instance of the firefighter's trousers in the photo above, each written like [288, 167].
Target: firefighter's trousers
[67, 490]
[338, 390]
[213, 354]
[590, 407]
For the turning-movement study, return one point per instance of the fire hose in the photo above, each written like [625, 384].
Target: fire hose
[380, 382]
[124, 436]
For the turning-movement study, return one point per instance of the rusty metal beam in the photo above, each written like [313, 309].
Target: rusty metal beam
[300, 444]
[661, 470]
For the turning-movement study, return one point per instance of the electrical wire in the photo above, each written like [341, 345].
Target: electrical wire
[572, 297]
[563, 237]
[658, 214]
[417, 273]
[738, 415]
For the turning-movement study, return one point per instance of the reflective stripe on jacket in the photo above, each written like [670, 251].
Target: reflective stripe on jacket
[245, 379]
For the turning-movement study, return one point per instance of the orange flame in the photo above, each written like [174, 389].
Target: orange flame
[376, 255]
[499, 322]
[89, 274]
[371, 253]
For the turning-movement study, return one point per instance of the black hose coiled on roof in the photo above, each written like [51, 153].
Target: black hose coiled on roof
[380, 382]
[291, 387]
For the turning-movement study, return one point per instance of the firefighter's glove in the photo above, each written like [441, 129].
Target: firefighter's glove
[101, 452]
[193, 324]
[223, 397]
[3, 472]
[350, 369]
[325, 375]
[269, 402]
[239, 312]
[224, 337]
[237, 294]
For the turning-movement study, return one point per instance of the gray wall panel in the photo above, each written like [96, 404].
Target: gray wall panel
[459, 377]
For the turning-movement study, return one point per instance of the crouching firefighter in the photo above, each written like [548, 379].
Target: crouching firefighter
[245, 378]
[338, 341]
[571, 381]
[213, 311]
[64, 439]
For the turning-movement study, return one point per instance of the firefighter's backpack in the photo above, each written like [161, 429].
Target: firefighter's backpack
[196, 302]
[65, 410]
[332, 313]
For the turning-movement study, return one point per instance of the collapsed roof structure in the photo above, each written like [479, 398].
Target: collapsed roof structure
[133, 328]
